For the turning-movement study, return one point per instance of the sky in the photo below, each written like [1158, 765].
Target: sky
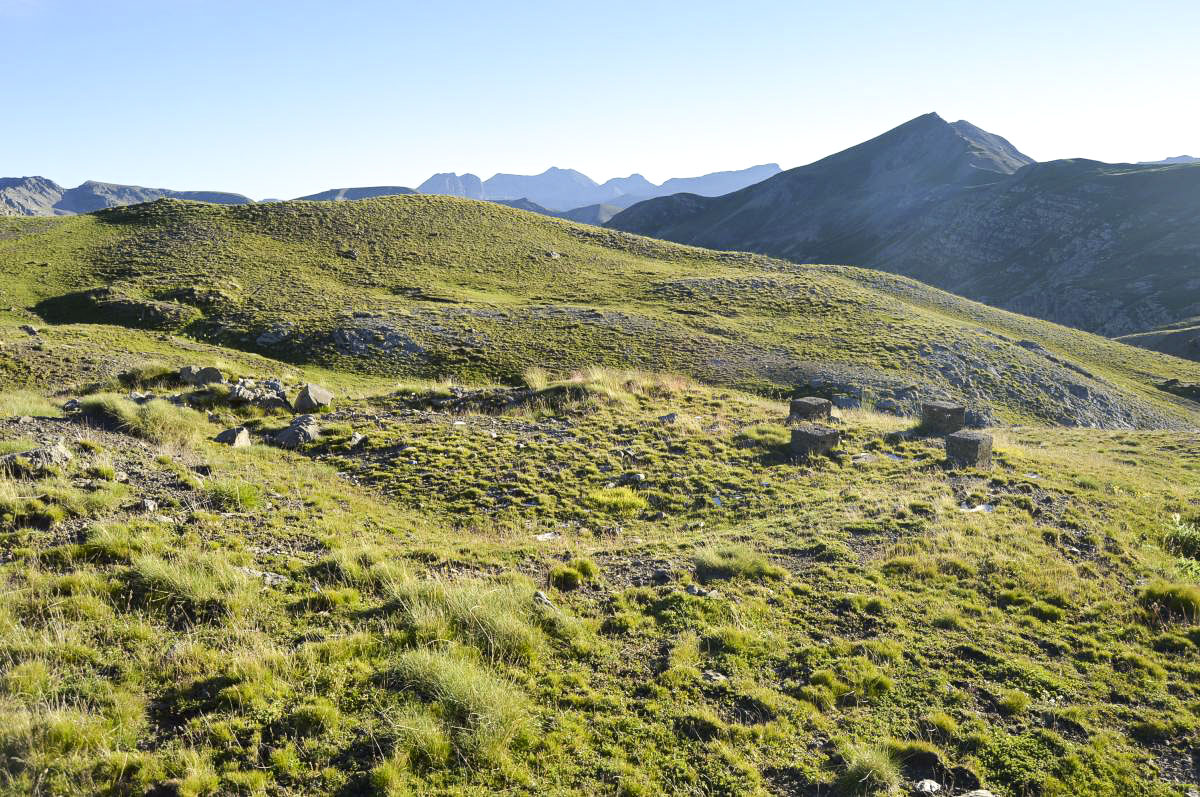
[280, 98]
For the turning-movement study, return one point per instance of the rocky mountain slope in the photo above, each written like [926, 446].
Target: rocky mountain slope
[1108, 248]
[1181, 339]
[363, 192]
[421, 495]
[37, 196]
[427, 286]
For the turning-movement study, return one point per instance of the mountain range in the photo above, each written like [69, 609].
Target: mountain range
[564, 193]
[37, 196]
[566, 189]
[1110, 248]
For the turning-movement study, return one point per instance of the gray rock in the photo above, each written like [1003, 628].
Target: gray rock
[942, 417]
[275, 335]
[237, 437]
[302, 430]
[313, 398]
[29, 329]
[37, 458]
[969, 449]
[195, 375]
[268, 395]
[670, 417]
[148, 505]
[811, 440]
[927, 786]
[810, 408]
[979, 793]
[889, 406]
[357, 441]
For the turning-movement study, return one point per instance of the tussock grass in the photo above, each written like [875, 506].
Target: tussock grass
[483, 712]
[496, 618]
[234, 495]
[867, 770]
[15, 403]
[734, 561]
[156, 421]
[189, 585]
[1170, 600]
[619, 501]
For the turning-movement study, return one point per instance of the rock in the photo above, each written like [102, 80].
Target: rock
[669, 418]
[979, 793]
[275, 335]
[810, 408]
[148, 505]
[810, 440]
[195, 375]
[237, 437]
[302, 430]
[357, 441]
[313, 398]
[542, 599]
[37, 458]
[889, 406]
[268, 395]
[349, 254]
[29, 329]
[72, 405]
[969, 449]
[927, 786]
[25, 419]
[942, 417]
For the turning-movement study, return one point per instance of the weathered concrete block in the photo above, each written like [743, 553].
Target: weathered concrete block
[810, 408]
[811, 440]
[943, 417]
[969, 449]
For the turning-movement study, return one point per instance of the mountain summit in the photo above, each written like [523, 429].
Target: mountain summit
[961, 208]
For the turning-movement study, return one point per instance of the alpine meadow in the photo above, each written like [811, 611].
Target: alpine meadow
[549, 485]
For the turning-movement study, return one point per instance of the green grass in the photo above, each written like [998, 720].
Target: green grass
[156, 421]
[734, 561]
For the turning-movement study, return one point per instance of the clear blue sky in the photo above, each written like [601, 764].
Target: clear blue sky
[285, 97]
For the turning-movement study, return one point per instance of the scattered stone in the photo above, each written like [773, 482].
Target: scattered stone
[148, 505]
[72, 406]
[25, 419]
[714, 677]
[810, 408]
[37, 459]
[546, 536]
[968, 449]
[357, 441]
[979, 793]
[304, 429]
[927, 786]
[237, 437]
[985, 508]
[313, 398]
[349, 254]
[811, 440]
[662, 576]
[943, 417]
[541, 598]
[862, 459]
[670, 417]
[632, 479]
[268, 578]
[29, 329]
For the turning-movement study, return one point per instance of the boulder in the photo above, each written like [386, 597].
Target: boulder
[195, 375]
[313, 398]
[237, 437]
[810, 408]
[36, 459]
[943, 417]
[811, 440]
[275, 335]
[302, 430]
[268, 395]
[969, 449]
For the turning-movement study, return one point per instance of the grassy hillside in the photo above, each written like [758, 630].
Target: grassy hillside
[1181, 339]
[549, 573]
[425, 286]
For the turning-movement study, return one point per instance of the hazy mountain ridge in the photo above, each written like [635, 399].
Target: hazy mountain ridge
[1109, 248]
[564, 190]
[39, 196]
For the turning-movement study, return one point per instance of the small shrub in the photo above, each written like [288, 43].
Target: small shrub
[734, 561]
[1183, 537]
[1172, 600]
[1013, 702]
[619, 501]
[565, 578]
